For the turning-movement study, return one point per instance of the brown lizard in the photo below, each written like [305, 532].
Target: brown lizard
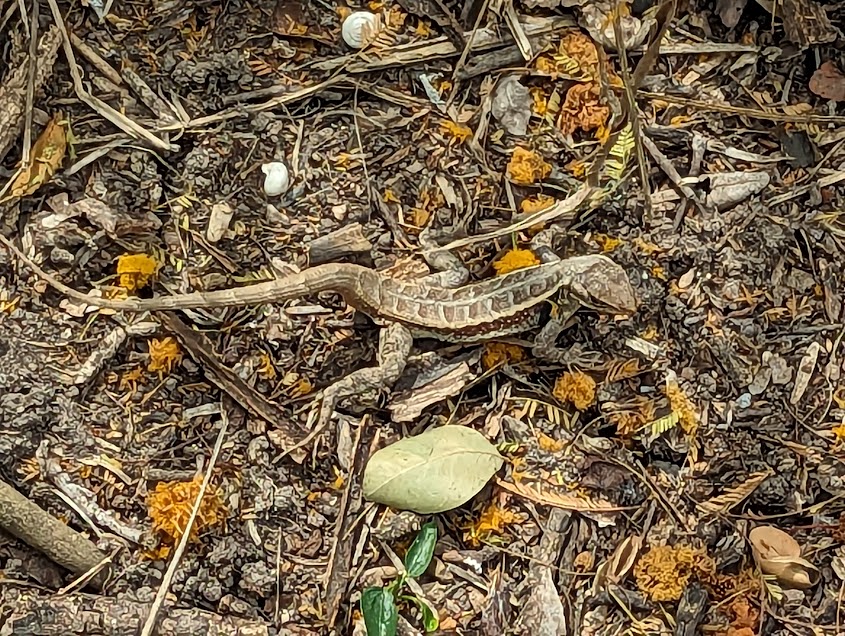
[439, 306]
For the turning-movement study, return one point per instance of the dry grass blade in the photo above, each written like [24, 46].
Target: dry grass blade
[116, 117]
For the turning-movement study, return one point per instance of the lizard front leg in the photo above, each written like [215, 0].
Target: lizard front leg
[450, 271]
[545, 343]
[542, 243]
[394, 347]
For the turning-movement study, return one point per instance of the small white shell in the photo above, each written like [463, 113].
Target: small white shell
[360, 28]
[276, 179]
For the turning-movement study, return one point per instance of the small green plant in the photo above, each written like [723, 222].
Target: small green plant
[378, 604]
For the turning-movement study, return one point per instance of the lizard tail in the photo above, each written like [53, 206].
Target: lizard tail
[342, 278]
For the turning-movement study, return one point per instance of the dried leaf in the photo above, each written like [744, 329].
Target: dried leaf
[436, 471]
[538, 203]
[733, 496]
[730, 11]
[623, 559]
[805, 372]
[170, 506]
[620, 153]
[729, 188]
[515, 259]
[455, 131]
[164, 354]
[582, 109]
[512, 105]
[47, 155]
[558, 500]
[543, 611]
[576, 388]
[828, 82]
[779, 555]
[663, 424]
[663, 572]
[135, 270]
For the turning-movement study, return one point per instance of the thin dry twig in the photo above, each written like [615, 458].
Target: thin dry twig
[30, 86]
[632, 108]
[161, 593]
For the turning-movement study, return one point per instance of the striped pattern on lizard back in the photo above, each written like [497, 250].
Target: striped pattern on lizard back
[492, 307]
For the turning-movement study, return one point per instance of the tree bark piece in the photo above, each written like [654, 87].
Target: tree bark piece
[41, 530]
[13, 93]
[103, 616]
[347, 241]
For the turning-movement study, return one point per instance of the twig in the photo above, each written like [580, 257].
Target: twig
[285, 429]
[13, 7]
[41, 530]
[30, 85]
[632, 107]
[13, 92]
[469, 41]
[361, 149]
[700, 104]
[96, 60]
[161, 593]
[566, 207]
[675, 177]
[340, 556]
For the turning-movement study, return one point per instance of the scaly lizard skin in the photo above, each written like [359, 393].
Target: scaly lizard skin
[437, 306]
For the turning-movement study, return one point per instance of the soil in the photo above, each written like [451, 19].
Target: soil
[632, 477]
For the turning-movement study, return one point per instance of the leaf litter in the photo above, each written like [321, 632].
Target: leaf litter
[695, 453]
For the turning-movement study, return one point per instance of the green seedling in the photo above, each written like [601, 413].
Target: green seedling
[378, 604]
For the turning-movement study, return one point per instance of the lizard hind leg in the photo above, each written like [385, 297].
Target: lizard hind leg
[395, 342]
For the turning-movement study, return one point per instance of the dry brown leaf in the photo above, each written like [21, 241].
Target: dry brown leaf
[828, 82]
[779, 555]
[805, 372]
[557, 500]
[663, 572]
[527, 167]
[47, 155]
[514, 260]
[731, 497]
[623, 559]
[576, 388]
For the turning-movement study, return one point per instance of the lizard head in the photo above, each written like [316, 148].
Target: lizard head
[601, 284]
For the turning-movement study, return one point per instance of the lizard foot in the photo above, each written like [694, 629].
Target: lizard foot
[545, 346]
[395, 343]
[575, 356]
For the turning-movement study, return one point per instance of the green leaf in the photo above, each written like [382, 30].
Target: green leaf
[379, 609]
[430, 619]
[436, 471]
[421, 550]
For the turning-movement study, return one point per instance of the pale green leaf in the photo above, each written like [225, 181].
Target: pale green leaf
[379, 609]
[432, 472]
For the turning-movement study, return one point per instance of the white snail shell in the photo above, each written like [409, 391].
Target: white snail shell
[359, 28]
[276, 178]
